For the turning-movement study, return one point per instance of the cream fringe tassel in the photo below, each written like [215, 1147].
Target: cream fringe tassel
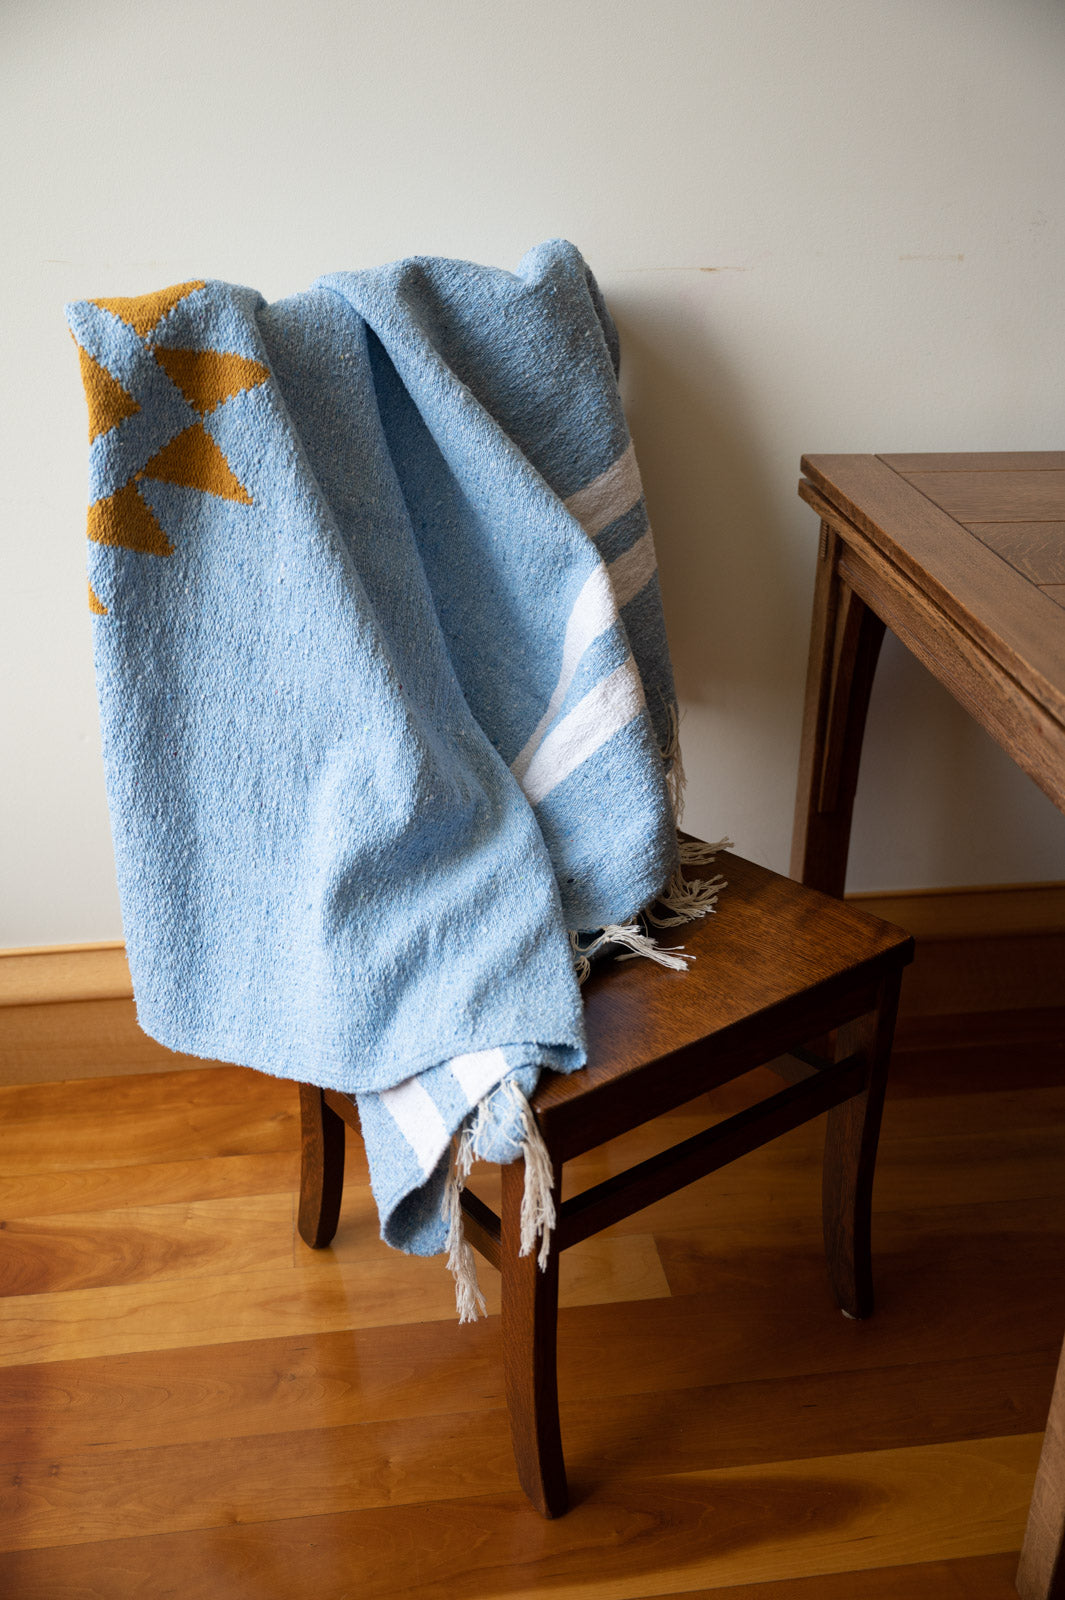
[538, 1199]
[691, 898]
[636, 942]
[469, 1301]
[695, 853]
[686, 898]
[537, 1208]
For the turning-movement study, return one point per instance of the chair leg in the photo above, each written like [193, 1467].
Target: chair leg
[850, 1157]
[530, 1328]
[321, 1168]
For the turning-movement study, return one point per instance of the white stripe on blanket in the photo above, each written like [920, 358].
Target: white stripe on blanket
[415, 1114]
[634, 570]
[594, 612]
[596, 607]
[603, 711]
[477, 1073]
[609, 496]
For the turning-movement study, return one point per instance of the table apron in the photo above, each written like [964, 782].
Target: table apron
[1033, 738]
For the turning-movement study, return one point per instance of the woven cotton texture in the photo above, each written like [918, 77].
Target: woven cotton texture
[383, 683]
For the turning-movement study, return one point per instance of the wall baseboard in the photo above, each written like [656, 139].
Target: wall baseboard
[66, 1011]
[59, 1041]
[60, 973]
[997, 910]
[995, 949]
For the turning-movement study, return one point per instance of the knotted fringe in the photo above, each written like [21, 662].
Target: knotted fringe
[538, 1198]
[469, 1301]
[582, 967]
[694, 853]
[688, 898]
[537, 1207]
[636, 943]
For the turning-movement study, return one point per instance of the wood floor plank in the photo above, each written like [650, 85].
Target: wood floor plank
[221, 1481]
[746, 1424]
[154, 1118]
[971, 1578]
[330, 1381]
[109, 1097]
[148, 1137]
[939, 1252]
[143, 1244]
[61, 1498]
[322, 1293]
[42, 1194]
[992, 1156]
[250, 1387]
[978, 1113]
[645, 1536]
[1007, 1031]
[994, 1268]
[370, 1375]
[976, 1067]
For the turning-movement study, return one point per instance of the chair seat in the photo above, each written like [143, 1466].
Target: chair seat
[778, 969]
[776, 964]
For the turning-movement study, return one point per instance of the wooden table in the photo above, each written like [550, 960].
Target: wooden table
[963, 558]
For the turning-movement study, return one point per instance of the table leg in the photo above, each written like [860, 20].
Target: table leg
[845, 642]
[1041, 1574]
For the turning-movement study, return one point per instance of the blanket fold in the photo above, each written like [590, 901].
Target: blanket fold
[383, 683]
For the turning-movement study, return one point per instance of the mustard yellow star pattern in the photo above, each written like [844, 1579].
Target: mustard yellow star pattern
[109, 404]
[208, 377]
[162, 392]
[144, 312]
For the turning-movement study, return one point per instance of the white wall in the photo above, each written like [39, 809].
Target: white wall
[834, 225]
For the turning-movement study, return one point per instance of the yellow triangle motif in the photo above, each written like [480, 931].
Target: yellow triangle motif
[125, 519]
[143, 312]
[96, 605]
[208, 377]
[193, 461]
[108, 402]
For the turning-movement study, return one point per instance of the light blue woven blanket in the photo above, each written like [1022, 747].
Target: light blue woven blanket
[383, 682]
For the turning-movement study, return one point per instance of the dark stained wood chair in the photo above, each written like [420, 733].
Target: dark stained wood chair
[778, 970]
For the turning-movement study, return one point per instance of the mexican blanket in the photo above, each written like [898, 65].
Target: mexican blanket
[388, 718]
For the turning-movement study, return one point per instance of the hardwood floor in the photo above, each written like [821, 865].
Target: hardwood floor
[193, 1404]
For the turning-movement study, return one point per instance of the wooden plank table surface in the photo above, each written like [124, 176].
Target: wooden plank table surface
[963, 558]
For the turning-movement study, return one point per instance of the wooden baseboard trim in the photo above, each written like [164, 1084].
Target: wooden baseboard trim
[60, 973]
[996, 911]
[992, 911]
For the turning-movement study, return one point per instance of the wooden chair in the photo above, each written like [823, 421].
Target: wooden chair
[777, 970]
